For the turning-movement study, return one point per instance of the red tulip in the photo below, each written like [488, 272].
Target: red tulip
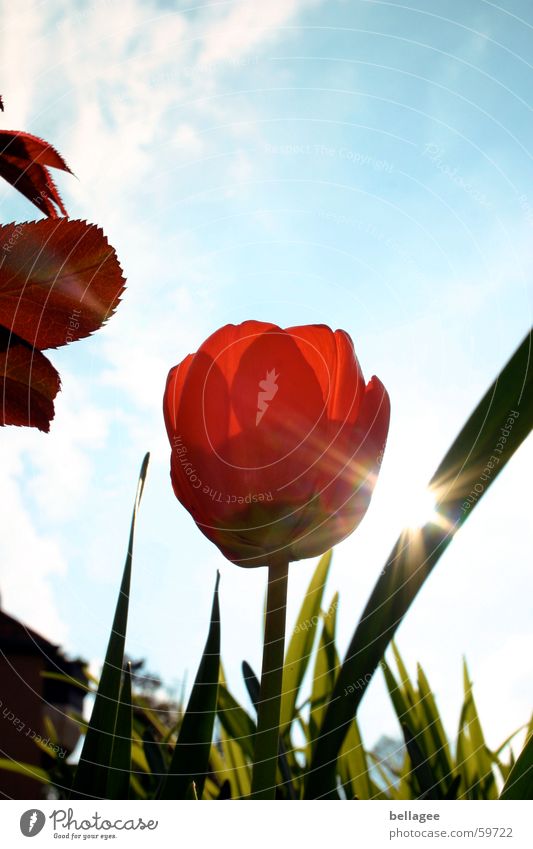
[276, 439]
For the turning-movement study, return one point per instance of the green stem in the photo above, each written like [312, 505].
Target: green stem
[268, 710]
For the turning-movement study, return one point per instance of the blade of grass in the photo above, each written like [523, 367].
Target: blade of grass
[433, 720]
[153, 753]
[190, 760]
[251, 682]
[480, 752]
[402, 693]
[437, 746]
[464, 470]
[353, 766]
[325, 671]
[235, 721]
[464, 755]
[27, 770]
[91, 775]
[428, 782]
[254, 689]
[519, 784]
[240, 772]
[118, 781]
[302, 641]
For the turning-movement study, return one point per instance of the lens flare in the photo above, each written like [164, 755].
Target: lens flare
[420, 510]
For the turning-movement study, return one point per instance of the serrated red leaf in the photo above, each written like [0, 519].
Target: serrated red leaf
[28, 384]
[59, 280]
[24, 162]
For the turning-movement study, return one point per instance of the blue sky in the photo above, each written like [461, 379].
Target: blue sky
[361, 164]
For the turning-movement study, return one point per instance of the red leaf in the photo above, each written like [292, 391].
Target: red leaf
[24, 162]
[28, 384]
[59, 280]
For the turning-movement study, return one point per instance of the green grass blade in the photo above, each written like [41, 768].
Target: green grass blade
[326, 667]
[284, 768]
[252, 683]
[437, 745]
[27, 770]
[405, 680]
[404, 698]
[415, 555]
[508, 739]
[118, 782]
[482, 760]
[397, 697]
[519, 784]
[463, 757]
[354, 767]
[428, 783]
[235, 721]
[92, 772]
[190, 760]
[302, 641]
[239, 768]
[417, 711]
[154, 752]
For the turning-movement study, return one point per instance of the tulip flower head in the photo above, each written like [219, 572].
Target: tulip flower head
[276, 439]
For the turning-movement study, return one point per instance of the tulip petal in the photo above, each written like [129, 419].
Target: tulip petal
[172, 399]
[332, 357]
[343, 500]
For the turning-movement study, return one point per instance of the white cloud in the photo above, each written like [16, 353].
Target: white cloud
[18, 78]
[61, 465]
[186, 139]
[28, 558]
[247, 25]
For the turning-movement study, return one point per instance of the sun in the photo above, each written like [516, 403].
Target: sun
[420, 508]
[409, 503]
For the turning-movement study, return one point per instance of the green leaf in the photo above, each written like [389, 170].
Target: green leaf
[93, 768]
[459, 484]
[353, 766]
[417, 711]
[190, 760]
[153, 752]
[252, 683]
[302, 641]
[68, 679]
[464, 755]
[285, 770]
[480, 757]
[235, 721]
[427, 781]
[405, 680]
[519, 784]
[402, 694]
[326, 667]
[118, 781]
[238, 767]
[27, 770]
[436, 742]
